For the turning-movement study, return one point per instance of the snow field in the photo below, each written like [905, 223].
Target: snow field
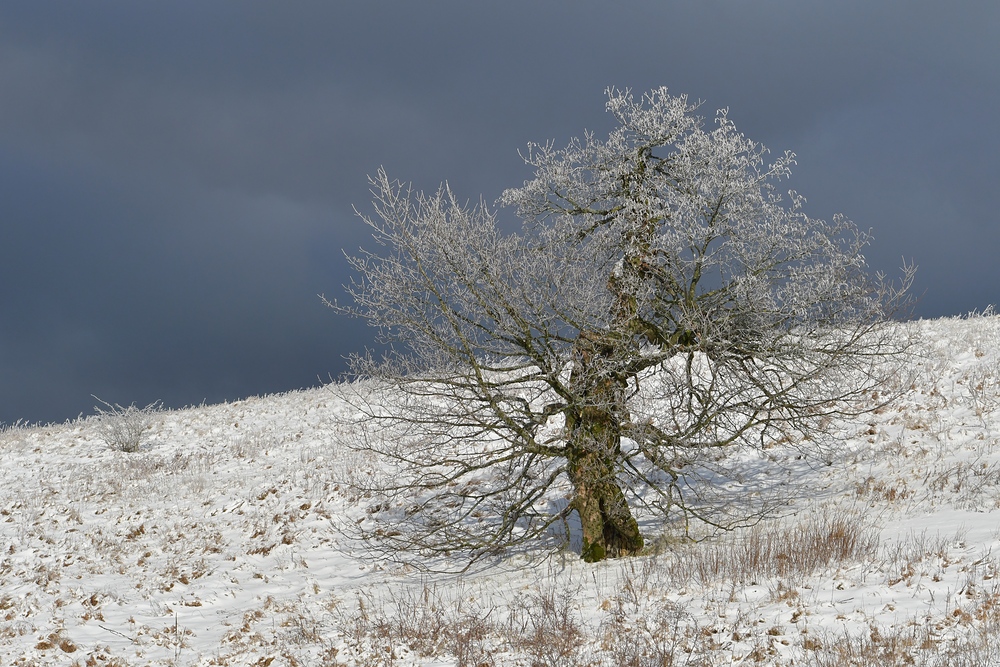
[218, 544]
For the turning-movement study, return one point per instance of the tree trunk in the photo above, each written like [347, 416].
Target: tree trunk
[609, 529]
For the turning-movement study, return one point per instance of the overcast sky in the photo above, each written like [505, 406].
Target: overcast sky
[177, 178]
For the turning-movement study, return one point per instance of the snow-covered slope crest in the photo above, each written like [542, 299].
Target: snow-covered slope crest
[215, 544]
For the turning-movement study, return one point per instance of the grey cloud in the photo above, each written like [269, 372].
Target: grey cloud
[177, 179]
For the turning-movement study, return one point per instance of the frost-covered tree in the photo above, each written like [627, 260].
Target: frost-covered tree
[662, 312]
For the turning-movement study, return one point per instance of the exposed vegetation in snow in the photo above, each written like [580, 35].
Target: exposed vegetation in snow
[218, 543]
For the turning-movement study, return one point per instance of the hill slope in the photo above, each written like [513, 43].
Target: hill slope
[216, 545]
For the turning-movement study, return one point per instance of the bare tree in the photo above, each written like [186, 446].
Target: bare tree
[662, 309]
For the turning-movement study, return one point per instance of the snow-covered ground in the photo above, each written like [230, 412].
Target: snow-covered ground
[217, 544]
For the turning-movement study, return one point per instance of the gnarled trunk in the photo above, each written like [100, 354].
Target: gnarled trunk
[609, 529]
[594, 447]
[600, 379]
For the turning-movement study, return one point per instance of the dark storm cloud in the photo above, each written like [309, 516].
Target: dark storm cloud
[177, 179]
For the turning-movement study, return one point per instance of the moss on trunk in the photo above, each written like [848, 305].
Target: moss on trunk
[594, 448]
[609, 529]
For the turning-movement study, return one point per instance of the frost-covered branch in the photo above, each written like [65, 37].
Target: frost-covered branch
[662, 308]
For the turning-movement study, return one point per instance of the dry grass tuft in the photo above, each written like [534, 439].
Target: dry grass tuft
[788, 553]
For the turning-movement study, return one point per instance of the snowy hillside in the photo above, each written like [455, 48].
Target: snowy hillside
[216, 544]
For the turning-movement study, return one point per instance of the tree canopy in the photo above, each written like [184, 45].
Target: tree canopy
[663, 311]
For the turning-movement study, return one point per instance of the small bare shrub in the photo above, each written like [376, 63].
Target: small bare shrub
[881, 491]
[915, 555]
[427, 621]
[554, 631]
[663, 637]
[917, 644]
[879, 647]
[974, 482]
[124, 428]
